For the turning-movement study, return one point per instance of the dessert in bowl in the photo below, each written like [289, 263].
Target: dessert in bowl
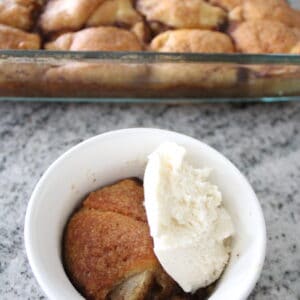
[108, 158]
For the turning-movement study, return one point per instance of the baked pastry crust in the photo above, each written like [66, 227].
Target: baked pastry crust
[257, 36]
[171, 75]
[97, 39]
[70, 15]
[94, 76]
[104, 248]
[192, 40]
[114, 12]
[273, 10]
[13, 38]
[182, 14]
[125, 198]
[19, 13]
[64, 15]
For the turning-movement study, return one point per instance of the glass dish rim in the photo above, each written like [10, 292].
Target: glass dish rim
[148, 57]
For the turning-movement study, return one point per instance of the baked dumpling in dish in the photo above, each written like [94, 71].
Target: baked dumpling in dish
[182, 14]
[13, 38]
[108, 251]
[200, 75]
[104, 248]
[259, 37]
[19, 13]
[64, 15]
[76, 77]
[267, 36]
[274, 10]
[96, 39]
[192, 40]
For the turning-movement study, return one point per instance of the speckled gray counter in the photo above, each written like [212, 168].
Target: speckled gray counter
[262, 140]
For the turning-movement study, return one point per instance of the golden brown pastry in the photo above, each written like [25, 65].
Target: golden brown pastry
[19, 13]
[13, 38]
[100, 78]
[97, 39]
[182, 14]
[125, 198]
[63, 15]
[108, 251]
[69, 15]
[258, 10]
[106, 77]
[104, 248]
[170, 75]
[226, 4]
[110, 12]
[259, 36]
[192, 40]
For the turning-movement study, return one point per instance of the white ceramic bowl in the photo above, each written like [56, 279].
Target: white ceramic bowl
[120, 154]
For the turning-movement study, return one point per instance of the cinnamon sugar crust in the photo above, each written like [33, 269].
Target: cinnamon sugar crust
[273, 10]
[104, 248]
[183, 14]
[19, 13]
[192, 40]
[264, 37]
[126, 198]
[96, 38]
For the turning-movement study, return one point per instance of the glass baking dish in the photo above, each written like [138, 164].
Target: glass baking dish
[147, 76]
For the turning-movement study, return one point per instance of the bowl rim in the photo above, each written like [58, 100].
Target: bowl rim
[28, 217]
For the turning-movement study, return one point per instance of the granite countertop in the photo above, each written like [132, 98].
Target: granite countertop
[263, 140]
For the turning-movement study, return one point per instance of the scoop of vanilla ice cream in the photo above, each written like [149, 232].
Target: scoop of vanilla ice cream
[187, 220]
